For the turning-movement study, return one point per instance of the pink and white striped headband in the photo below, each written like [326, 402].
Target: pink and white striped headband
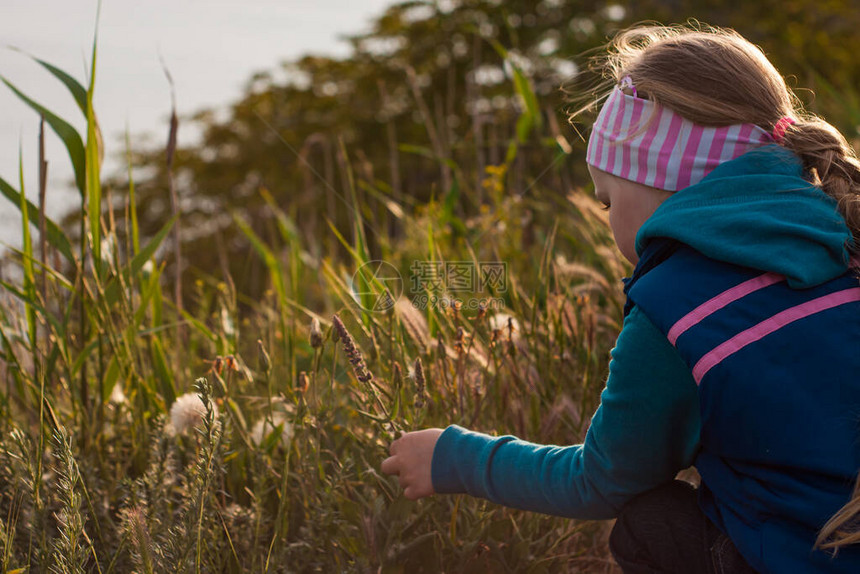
[642, 141]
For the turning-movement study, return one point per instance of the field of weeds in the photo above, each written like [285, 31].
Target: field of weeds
[148, 425]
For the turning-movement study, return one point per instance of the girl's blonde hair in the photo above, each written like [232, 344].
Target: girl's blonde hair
[715, 77]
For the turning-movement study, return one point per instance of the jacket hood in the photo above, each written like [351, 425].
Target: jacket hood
[758, 211]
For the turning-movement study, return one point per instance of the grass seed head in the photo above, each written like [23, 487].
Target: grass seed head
[265, 360]
[460, 341]
[482, 310]
[454, 308]
[303, 382]
[507, 323]
[420, 381]
[419, 401]
[441, 352]
[352, 352]
[420, 384]
[396, 376]
[316, 336]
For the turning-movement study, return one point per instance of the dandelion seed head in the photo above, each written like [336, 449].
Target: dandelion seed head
[187, 412]
[264, 427]
[117, 396]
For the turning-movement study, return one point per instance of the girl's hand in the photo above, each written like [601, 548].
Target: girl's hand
[411, 458]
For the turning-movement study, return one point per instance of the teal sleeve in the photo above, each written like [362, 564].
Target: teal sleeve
[645, 430]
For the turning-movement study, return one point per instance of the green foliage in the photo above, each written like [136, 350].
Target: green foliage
[70, 137]
[275, 468]
[55, 235]
[271, 462]
[69, 554]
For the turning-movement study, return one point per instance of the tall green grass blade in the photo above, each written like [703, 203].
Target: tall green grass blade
[27, 262]
[360, 250]
[368, 288]
[157, 299]
[532, 113]
[85, 354]
[72, 140]
[163, 372]
[531, 119]
[77, 90]
[59, 347]
[286, 226]
[51, 362]
[355, 254]
[112, 289]
[359, 239]
[111, 377]
[60, 279]
[289, 232]
[271, 262]
[511, 154]
[451, 196]
[56, 237]
[432, 326]
[32, 303]
[148, 292]
[93, 164]
[381, 192]
[201, 326]
[132, 202]
[449, 204]
[145, 254]
[428, 153]
[522, 85]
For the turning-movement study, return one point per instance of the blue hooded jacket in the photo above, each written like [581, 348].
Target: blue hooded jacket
[757, 214]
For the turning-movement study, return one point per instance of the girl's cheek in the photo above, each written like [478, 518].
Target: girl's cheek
[617, 228]
[624, 237]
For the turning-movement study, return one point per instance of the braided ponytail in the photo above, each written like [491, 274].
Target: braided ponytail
[831, 164]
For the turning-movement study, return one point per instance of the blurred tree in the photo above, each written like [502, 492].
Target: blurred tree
[427, 102]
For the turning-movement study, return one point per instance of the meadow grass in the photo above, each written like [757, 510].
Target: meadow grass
[214, 433]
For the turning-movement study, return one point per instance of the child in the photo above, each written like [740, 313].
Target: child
[740, 350]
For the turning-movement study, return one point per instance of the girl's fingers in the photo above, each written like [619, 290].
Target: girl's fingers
[392, 448]
[389, 466]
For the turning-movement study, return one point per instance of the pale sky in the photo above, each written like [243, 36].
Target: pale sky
[211, 48]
